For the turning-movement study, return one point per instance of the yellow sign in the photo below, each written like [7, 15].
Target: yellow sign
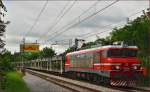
[30, 47]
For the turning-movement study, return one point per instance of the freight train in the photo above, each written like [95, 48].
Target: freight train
[116, 65]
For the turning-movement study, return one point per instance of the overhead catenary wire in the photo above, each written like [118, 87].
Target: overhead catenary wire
[84, 19]
[83, 36]
[135, 13]
[64, 41]
[59, 17]
[96, 34]
[55, 22]
[37, 18]
[77, 17]
[90, 34]
[86, 35]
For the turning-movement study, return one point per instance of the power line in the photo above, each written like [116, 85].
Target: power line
[90, 33]
[85, 19]
[96, 34]
[131, 15]
[128, 16]
[37, 18]
[77, 17]
[56, 22]
[86, 35]
[136, 13]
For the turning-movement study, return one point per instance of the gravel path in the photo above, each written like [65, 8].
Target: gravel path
[37, 84]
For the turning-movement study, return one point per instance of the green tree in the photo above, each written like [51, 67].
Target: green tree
[104, 41]
[134, 33]
[47, 52]
[31, 55]
[5, 61]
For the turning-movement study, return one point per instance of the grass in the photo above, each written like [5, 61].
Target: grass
[15, 83]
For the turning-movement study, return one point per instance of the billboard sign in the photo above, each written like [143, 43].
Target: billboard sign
[29, 47]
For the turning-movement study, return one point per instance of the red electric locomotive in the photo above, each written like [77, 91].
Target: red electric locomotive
[113, 64]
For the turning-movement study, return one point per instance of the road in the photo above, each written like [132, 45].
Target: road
[37, 84]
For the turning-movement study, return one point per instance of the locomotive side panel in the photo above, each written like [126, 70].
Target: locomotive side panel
[81, 61]
[113, 64]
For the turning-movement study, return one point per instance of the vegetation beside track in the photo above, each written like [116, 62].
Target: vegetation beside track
[145, 80]
[5, 66]
[15, 83]
[12, 81]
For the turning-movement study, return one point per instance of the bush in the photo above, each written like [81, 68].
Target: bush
[15, 83]
[146, 64]
[5, 62]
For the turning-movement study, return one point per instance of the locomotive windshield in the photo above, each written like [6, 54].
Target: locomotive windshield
[122, 53]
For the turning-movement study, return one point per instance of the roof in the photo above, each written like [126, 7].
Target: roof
[103, 47]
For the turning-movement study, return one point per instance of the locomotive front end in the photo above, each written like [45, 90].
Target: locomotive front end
[126, 69]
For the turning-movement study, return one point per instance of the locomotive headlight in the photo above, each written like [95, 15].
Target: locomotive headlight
[117, 67]
[135, 67]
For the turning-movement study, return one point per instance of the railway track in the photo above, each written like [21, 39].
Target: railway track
[80, 86]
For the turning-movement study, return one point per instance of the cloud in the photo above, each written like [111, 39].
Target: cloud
[22, 15]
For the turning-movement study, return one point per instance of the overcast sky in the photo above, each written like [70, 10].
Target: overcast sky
[23, 14]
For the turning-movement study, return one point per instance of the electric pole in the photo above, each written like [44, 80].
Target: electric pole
[70, 43]
[22, 54]
[128, 19]
[77, 43]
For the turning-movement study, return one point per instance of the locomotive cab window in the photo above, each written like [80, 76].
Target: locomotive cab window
[122, 53]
